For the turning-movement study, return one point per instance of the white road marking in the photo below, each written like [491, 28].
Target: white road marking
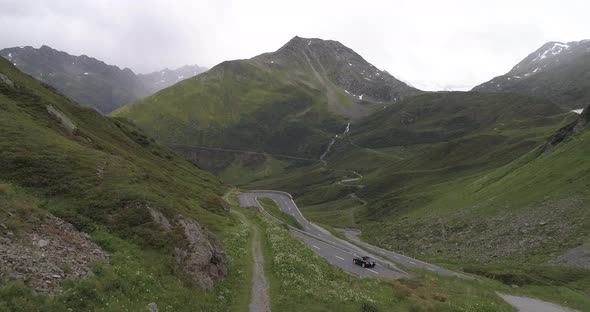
[412, 262]
[316, 247]
[431, 269]
[339, 257]
[373, 271]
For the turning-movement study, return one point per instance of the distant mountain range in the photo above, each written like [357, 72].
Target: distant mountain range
[556, 71]
[91, 82]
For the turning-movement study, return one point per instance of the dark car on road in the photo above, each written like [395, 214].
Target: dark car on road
[365, 262]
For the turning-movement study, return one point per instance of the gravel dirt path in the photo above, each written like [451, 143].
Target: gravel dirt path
[259, 300]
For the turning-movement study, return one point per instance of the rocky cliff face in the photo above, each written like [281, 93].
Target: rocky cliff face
[573, 128]
[202, 257]
[91, 82]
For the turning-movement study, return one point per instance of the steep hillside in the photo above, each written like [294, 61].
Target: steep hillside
[151, 211]
[443, 117]
[557, 71]
[291, 101]
[89, 81]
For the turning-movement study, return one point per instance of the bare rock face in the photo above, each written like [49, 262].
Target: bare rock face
[5, 80]
[203, 257]
[573, 128]
[48, 253]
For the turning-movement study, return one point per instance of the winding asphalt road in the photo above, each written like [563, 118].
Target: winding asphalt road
[399, 258]
[337, 251]
[340, 252]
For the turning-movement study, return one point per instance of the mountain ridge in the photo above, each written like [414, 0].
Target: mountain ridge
[90, 81]
[290, 101]
[557, 71]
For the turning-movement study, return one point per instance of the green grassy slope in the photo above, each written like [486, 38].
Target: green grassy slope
[105, 163]
[240, 105]
[135, 276]
[291, 101]
[416, 159]
[101, 177]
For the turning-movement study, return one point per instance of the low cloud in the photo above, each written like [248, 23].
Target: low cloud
[434, 45]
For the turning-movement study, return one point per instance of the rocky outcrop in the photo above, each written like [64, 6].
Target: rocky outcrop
[201, 254]
[573, 128]
[6, 81]
[64, 120]
[47, 253]
[202, 258]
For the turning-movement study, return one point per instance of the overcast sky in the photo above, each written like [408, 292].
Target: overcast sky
[432, 45]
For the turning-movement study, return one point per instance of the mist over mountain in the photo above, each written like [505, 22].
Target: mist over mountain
[91, 82]
[556, 71]
[289, 101]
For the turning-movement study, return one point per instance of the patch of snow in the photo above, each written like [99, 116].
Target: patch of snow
[367, 79]
[10, 56]
[509, 78]
[309, 42]
[526, 75]
[377, 74]
[14, 64]
[181, 77]
[554, 50]
[349, 64]
[578, 111]
[272, 62]
[361, 97]
[497, 85]
[517, 77]
[21, 47]
[536, 70]
[162, 80]
[346, 91]
[86, 74]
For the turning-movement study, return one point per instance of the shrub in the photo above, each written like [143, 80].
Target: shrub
[367, 307]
